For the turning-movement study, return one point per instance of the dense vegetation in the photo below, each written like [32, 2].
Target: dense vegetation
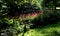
[29, 18]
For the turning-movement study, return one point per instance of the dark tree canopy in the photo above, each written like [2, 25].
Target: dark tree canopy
[50, 4]
[16, 6]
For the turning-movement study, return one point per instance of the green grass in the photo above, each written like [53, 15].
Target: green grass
[49, 30]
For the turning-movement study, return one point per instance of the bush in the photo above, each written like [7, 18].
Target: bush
[10, 31]
[12, 27]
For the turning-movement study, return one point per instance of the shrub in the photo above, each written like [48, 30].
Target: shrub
[10, 31]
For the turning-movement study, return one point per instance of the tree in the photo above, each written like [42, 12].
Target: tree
[50, 4]
[17, 6]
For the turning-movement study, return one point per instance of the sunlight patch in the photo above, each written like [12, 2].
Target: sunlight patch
[57, 7]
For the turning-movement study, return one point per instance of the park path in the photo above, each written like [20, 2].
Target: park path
[29, 15]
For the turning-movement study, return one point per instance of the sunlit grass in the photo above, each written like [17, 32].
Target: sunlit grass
[57, 7]
[49, 30]
[43, 32]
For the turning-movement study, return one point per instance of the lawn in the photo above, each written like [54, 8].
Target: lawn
[49, 30]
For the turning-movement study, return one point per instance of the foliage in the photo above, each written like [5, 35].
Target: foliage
[14, 8]
[50, 4]
[13, 25]
[10, 31]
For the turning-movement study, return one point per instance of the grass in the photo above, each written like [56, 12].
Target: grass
[49, 30]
